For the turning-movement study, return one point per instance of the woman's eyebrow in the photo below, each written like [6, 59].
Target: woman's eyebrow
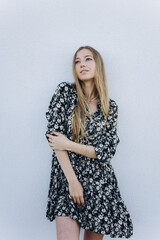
[84, 56]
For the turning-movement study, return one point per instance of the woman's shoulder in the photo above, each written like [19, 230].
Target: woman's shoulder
[66, 87]
[68, 94]
[113, 105]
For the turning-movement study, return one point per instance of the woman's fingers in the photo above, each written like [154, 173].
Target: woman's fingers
[76, 192]
[74, 199]
[82, 200]
[79, 200]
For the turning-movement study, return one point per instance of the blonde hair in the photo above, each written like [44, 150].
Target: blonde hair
[101, 87]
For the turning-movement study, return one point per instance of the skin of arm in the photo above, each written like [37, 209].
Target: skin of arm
[61, 142]
[75, 187]
[80, 149]
[66, 165]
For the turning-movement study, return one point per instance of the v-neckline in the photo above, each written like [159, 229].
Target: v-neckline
[98, 104]
[94, 113]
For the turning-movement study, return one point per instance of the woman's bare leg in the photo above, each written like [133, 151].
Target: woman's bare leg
[67, 228]
[88, 235]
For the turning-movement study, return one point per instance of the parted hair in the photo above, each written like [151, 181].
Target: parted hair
[101, 88]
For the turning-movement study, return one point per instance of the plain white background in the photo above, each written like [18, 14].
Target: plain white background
[37, 43]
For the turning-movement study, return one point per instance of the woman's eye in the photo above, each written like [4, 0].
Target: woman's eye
[86, 59]
[89, 58]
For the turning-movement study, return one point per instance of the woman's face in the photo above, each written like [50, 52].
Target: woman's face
[85, 65]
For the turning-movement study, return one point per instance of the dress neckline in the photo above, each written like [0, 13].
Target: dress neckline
[98, 104]
[97, 111]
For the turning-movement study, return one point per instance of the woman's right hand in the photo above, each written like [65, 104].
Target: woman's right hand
[76, 192]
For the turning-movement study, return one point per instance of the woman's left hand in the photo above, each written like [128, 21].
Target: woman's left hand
[58, 142]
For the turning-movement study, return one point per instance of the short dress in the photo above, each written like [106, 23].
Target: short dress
[104, 211]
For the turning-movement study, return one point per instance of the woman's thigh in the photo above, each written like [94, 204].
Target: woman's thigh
[67, 228]
[89, 235]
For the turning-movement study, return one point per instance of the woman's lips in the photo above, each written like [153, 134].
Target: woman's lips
[84, 71]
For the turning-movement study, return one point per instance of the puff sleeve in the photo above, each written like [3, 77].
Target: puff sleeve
[56, 110]
[105, 145]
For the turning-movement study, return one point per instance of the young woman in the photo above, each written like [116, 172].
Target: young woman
[82, 131]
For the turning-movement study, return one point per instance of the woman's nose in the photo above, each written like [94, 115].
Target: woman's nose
[82, 64]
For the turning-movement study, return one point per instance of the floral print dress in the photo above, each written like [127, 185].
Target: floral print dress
[104, 211]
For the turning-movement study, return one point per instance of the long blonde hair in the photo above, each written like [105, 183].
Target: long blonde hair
[101, 87]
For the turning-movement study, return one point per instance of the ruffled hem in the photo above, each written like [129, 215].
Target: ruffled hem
[89, 227]
[96, 224]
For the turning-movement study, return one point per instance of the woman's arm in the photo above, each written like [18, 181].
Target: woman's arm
[56, 121]
[81, 149]
[66, 165]
[75, 187]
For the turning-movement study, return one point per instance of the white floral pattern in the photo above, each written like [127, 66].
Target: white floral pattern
[104, 210]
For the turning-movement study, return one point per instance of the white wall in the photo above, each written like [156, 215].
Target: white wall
[38, 40]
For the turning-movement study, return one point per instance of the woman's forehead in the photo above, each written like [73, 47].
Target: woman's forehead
[84, 53]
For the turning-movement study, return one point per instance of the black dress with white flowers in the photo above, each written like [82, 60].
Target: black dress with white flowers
[104, 210]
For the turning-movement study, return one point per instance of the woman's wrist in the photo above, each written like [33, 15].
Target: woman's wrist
[79, 148]
[69, 145]
[85, 151]
[72, 179]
